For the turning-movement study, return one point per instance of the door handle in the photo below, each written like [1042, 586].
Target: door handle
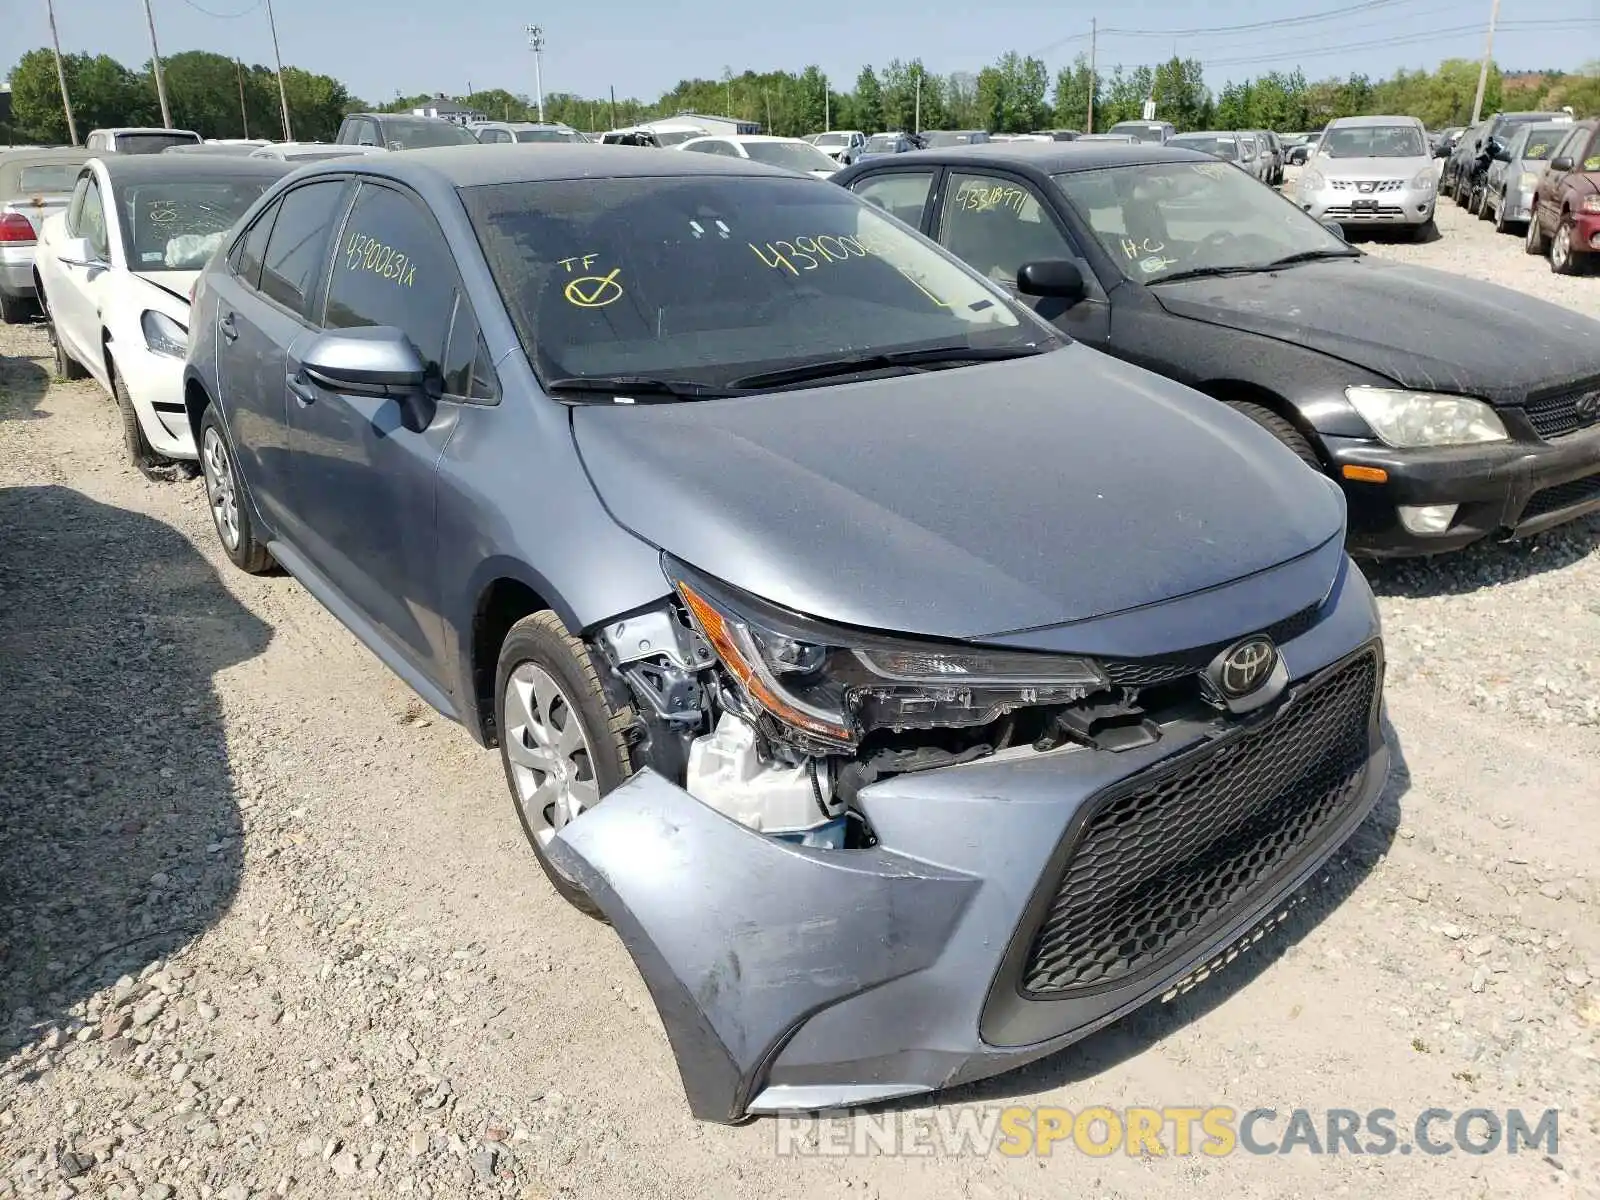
[305, 394]
[227, 328]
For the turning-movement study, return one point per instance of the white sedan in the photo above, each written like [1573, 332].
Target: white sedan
[793, 153]
[114, 272]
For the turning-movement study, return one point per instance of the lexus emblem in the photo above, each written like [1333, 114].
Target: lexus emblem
[1246, 667]
[1587, 407]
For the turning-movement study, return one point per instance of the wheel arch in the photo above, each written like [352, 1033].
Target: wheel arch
[1255, 393]
[195, 402]
[504, 591]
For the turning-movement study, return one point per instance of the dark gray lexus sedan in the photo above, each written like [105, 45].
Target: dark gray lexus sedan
[914, 689]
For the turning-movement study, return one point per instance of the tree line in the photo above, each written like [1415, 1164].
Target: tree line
[219, 97]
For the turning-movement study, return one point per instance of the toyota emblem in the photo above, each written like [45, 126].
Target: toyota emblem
[1246, 666]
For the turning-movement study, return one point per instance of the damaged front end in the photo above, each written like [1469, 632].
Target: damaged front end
[855, 866]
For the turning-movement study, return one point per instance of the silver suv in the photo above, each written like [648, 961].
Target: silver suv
[1372, 171]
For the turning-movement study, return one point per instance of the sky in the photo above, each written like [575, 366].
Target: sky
[380, 48]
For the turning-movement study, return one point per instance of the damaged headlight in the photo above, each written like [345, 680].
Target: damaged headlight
[834, 684]
[1407, 420]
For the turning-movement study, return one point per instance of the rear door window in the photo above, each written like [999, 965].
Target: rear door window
[902, 194]
[995, 224]
[296, 248]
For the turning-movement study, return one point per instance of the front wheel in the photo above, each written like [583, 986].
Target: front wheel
[1425, 232]
[225, 497]
[1279, 427]
[150, 463]
[562, 743]
[67, 367]
[1533, 242]
[1501, 225]
[1562, 259]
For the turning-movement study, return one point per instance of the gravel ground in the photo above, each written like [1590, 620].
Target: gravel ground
[267, 928]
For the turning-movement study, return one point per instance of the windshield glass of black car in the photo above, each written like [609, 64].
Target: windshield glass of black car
[708, 279]
[1160, 219]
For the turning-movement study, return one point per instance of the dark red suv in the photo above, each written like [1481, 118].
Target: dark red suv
[1566, 203]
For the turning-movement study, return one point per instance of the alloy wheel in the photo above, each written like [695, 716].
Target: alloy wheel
[221, 490]
[552, 770]
[1561, 247]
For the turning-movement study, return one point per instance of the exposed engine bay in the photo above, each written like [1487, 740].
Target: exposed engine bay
[779, 722]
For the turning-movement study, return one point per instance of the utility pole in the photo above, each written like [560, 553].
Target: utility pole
[917, 120]
[614, 107]
[283, 96]
[1483, 69]
[1094, 31]
[244, 116]
[536, 44]
[827, 104]
[61, 74]
[155, 62]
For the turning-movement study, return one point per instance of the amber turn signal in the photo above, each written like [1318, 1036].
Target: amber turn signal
[1365, 474]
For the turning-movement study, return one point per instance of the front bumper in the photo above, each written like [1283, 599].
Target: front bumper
[1508, 489]
[1516, 207]
[155, 385]
[1586, 233]
[797, 979]
[1348, 206]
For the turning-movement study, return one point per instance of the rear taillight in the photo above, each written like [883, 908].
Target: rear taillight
[14, 228]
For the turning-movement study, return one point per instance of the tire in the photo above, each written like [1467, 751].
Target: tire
[1562, 259]
[548, 675]
[225, 497]
[1463, 194]
[1533, 242]
[151, 463]
[14, 310]
[1425, 232]
[1482, 204]
[67, 367]
[1501, 225]
[1280, 428]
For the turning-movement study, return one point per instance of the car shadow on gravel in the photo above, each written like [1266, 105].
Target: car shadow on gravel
[1484, 564]
[23, 383]
[120, 837]
[1147, 1027]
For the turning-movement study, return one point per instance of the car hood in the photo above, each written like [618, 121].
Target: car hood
[1371, 168]
[962, 503]
[175, 283]
[1421, 328]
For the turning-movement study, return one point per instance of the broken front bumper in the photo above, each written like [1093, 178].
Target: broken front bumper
[1012, 906]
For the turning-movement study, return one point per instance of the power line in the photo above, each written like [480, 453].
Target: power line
[224, 16]
[1401, 40]
[1274, 23]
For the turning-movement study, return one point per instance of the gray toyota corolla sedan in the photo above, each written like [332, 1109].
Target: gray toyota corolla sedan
[913, 689]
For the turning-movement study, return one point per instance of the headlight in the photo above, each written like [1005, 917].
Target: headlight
[833, 684]
[1423, 180]
[1591, 204]
[1528, 181]
[164, 335]
[1312, 181]
[1407, 420]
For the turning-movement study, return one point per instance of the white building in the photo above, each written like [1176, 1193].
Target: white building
[715, 126]
[443, 107]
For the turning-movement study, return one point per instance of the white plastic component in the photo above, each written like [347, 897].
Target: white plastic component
[726, 774]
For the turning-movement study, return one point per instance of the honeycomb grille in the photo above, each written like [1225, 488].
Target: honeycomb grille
[1161, 864]
[1563, 495]
[1148, 672]
[1556, 416]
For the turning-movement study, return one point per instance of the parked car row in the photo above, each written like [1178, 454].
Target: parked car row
[766, 658]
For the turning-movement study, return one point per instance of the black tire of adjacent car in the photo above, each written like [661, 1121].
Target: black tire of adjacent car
[14, 310]
[1533, 241]
[543, 640]
[1463, 193]
[1482, 209]
[151, 463]
[1425, 232]
[67, 367]
[251, 554]
[1279, 427]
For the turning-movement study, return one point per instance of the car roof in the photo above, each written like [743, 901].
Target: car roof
[519, 125]
[148, 168]
[1052, 158]
[46, 154]
[747, 137]
[524, 162]
[121, 129]
[1367, 122]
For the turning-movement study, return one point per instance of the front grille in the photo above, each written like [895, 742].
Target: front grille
[1556, 416]
[1347, 213]
[1148, 672]
[1365, 187]
[1169, 855]
[1563, 495]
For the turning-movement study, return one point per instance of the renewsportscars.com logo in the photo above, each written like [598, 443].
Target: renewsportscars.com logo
[1179, 1131]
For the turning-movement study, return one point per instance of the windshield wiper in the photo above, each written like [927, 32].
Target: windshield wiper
[1287, 260]
[912, 359]
[1312, 256]
[632, 386]
[1204, 272]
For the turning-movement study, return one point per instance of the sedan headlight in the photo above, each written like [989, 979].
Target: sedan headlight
[164, 335]
[1423, 180]
[1312, 181]
[1410, 420]
[833, 684]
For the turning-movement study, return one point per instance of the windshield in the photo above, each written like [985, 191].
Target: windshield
[1220, 147]
[174, 226]
[153, 143]
[797, 156]
[416, 134]
[710, 278]
[1539, 142]
[882, 143]
[832, 139]
[1374, 141]
[674, 137]
[1164, 218]
[962, 137]
[549, 135]
[1138, 129]
[47, 177]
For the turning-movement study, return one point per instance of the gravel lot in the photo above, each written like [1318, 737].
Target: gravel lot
[267, 927]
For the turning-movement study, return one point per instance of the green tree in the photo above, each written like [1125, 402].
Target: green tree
[1181, 94]
[866, 104]
[961, 99]
[103, 92]
[1011, 94]
[1073, 86]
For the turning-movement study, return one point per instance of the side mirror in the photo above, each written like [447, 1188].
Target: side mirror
[77, 252]
[1058, 278]
[376, 361]
[1564, 163]
[1336, 229]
